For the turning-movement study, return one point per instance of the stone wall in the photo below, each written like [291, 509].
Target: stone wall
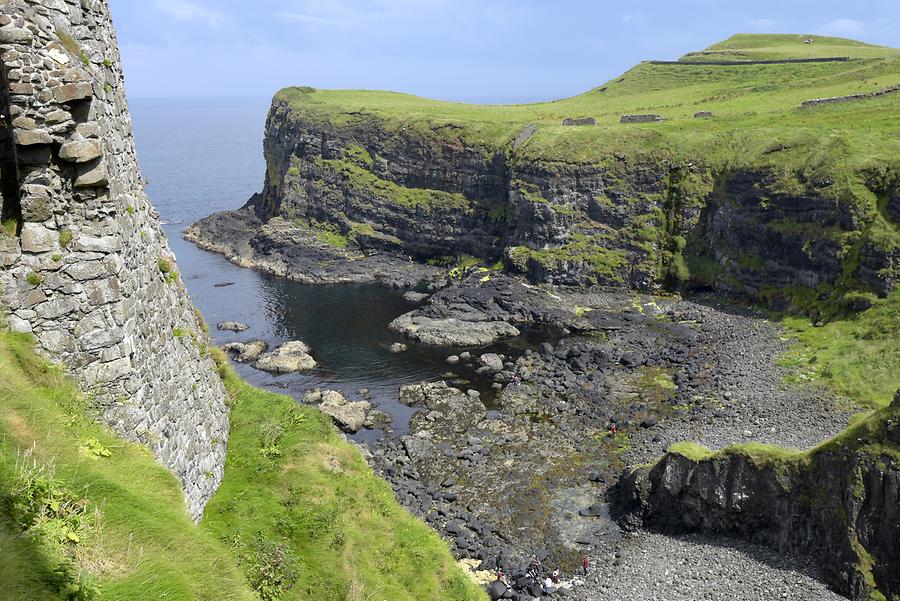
[862, 96]
[84, 264]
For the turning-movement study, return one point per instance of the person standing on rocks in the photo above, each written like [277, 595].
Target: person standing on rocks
[584, 565]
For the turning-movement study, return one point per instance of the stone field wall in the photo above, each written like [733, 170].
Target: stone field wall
[84, 263]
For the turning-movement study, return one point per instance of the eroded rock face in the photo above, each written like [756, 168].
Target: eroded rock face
[84, 272]
[841, 506]
[635, 222]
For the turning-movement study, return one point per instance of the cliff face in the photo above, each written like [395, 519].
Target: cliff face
[626, 219]
[84, 264]
[839, 504]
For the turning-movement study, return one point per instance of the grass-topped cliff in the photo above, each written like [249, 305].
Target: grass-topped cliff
[738, 187]
[84, 515]
[753, 100]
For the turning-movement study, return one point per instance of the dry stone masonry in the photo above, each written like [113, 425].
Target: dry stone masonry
[84, 264]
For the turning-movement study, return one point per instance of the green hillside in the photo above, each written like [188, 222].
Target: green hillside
[84, 515]
[756, 108]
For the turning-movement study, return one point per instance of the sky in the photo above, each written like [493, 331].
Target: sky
[465, 50]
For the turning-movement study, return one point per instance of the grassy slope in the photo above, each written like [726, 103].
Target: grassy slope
[859, 357]
[756, 107]
[317, 496]
[339, 527]
[139, 540]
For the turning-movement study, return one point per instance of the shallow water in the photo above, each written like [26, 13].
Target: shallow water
[202, 156]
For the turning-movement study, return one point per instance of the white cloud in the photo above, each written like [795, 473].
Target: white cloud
[847, 28]
[183, 10]
[633, 17]
[352, 12]
[313, 19]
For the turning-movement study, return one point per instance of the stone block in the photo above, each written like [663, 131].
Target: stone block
[79, 150]
[93, 176]
[37, 239]
[32, 137]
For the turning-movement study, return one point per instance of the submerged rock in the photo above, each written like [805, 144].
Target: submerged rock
[289, 357]
[232, 326]
[415, 297]
[397, 347]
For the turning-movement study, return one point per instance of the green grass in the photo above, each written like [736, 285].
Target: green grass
[363, 180]
[299, 515]
[858, 357]
[305, 488]
[135, 530]
[756, 107]
[845, 153]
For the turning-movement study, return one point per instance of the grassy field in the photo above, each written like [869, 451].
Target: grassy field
[858, 357]
[84, 515]
[756, 109]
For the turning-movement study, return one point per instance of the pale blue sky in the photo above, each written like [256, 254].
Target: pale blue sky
[471, 50]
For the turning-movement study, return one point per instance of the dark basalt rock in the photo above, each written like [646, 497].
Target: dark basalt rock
[541, 217]
[840, 505]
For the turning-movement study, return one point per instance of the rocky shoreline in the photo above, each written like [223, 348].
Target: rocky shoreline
[290, 250]
[622, 378]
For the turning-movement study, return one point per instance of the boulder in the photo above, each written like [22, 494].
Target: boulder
[450, 331]
[246, 352]
[492, 362]
[289, 357]
[232, 326]
[496, 590]
[397, 347]
[348, 415]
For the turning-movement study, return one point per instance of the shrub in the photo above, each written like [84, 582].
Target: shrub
[165, 266]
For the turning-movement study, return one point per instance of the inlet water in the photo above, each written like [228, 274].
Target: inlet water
[203, 156]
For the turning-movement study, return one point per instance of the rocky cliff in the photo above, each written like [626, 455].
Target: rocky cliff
[792, 231]
[84, 264]
[838, 503]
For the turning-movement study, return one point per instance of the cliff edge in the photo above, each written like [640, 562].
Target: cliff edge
[838, 503]
[675, 175]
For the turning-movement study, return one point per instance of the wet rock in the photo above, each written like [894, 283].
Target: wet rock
[453, 359]
[415, 297]
[246, 352]
[232, 326]
[397, 347]
[289, 357]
